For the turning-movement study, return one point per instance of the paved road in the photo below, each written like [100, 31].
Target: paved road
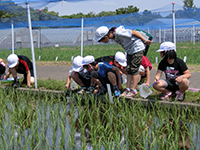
[60, 73]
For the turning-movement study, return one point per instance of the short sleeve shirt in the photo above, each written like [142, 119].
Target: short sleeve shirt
[103, 66]
[146, 63]
[131, 44]
[24, 64]
[172, 71]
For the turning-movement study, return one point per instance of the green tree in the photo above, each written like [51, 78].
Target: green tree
[129, 9]
[188, 3]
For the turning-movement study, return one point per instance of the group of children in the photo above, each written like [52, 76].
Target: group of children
[133, 64]
[94, 74]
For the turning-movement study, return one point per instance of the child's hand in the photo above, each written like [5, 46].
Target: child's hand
[147, 84]
[6, 76]
[67, 86]
[148, 42]
[179, 79]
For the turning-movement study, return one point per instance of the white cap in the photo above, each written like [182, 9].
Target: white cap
[121, 58]
[141, 68]
[77, 63]
[166, 46]
[12, 60]
[100, 33]
[88, 59]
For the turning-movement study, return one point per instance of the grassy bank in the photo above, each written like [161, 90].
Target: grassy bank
[66, 53]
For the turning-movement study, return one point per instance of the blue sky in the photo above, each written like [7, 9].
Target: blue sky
[96, 6]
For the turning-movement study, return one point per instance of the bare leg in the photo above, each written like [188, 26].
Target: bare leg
[129, 81]
[184, 85]
[112, 78]
[160, 86]
[136, 79]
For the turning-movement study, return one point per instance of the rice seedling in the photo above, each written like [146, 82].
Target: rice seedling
[30, 121]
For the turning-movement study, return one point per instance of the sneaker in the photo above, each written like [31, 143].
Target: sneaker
[180, 96]
[131, 93]
[124, 93]
[117, 92]
[90, 90]
[166, 96]
[82, 90]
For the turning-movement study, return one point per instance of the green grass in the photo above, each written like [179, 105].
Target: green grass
[65, 53]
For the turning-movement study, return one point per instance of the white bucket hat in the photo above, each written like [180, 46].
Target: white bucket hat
[88, 59]
[77, 63]
[121, 58]
[12, 60]
[100, 33]
[166, 46]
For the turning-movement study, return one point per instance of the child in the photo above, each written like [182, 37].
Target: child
[133, 44]
[20, 64]
[176, 72]
[144, 71]
[108, 74]
[80, 75]
[118, 60]
[2, 68]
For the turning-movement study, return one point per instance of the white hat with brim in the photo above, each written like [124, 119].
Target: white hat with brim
[88, 59]
[121, 58]
[12, 60]
[141, 68]
[166, 46]
[77, 64]
[100, 33]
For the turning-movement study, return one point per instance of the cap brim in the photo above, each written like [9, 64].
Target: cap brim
[97, 38]
[12, 65]
[160, 50]
[123, 64]
[77, 69]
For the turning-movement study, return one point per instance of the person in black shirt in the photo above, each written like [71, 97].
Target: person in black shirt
[176, 72]
[23, 65]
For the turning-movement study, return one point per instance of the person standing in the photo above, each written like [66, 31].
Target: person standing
[133, 44]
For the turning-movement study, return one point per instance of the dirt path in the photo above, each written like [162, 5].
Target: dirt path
[59, 71]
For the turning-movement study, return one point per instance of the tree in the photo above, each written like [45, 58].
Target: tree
[188, 3]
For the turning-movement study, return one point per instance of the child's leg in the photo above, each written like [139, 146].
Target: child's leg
[129, 81]
[184, 85]
[13, 72]
[136, 79]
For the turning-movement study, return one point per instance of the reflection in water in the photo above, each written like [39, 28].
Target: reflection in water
[51, 126]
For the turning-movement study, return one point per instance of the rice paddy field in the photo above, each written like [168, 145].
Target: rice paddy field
[30, 121]
[83, 122]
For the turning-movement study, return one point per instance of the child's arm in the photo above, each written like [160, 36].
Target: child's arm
[157, 76]
[138, 35]
[68, 81]
[148, 75]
